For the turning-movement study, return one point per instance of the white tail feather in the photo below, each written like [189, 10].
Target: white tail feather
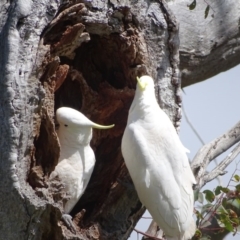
[187, 234]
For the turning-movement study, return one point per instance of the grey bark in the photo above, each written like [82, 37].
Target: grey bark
[86, 55]
[32, 67]
[212, 150]
[208, 46]
[22, 212]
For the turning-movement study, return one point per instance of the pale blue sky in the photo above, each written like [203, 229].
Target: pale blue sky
[213, 108]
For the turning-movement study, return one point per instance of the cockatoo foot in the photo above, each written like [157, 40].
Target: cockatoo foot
[69, 223]
[128, 185]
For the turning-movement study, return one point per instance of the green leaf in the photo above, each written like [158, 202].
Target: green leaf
[200, 197]
[192, 5]
[235, 203]
[236, 177]
[221, 210]
[235, 221]
[207, 11]
[209, 195]
[224, 221]
[195, 193]
[220, 223]
[205, 224]
[198, 214]
[238, 187]
[228, 225]
[198, 233]
[225, 190]
[206, 208]
[225, 202]
[218, 190]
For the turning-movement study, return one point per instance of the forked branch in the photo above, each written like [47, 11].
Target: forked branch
[210, 151]
[219, 170]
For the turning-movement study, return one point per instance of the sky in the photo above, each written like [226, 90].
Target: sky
[213, 108]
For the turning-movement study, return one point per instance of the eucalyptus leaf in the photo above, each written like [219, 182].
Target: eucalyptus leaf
[200, 197]
[209, 195]
[207, 11]
[205, 224]
[228, 226]
[221, 210]
[192, 5]
[206, 207]
[235, 203]
[236, 177]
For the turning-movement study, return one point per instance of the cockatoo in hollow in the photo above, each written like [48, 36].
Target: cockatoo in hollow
[77, 158]
[158, 164]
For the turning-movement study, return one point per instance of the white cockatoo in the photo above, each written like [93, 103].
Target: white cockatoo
[158, 164]
[77, 158]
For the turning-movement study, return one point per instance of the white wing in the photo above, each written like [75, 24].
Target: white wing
[152, 162]
[71, 176]
[88, 159]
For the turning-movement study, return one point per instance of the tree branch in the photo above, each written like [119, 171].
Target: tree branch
[208, 46]
[219, 170]
[211, 150]
[150, 237]
[153, 230]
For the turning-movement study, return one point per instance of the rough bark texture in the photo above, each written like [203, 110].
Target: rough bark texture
[208, 46]
[86, 55]
[88, 58]
[23, 214]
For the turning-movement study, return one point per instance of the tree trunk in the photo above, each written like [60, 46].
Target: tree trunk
[85, 55]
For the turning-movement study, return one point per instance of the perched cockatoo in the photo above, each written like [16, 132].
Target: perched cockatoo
[158, 164]
[77, 158]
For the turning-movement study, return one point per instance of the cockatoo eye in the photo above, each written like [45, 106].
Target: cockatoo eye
[65, 125]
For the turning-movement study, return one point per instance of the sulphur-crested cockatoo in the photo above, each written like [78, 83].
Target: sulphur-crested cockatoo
[158, 164]
[77, 158]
